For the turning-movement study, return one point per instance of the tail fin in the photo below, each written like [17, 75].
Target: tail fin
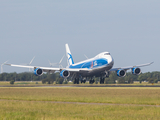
[69, 56]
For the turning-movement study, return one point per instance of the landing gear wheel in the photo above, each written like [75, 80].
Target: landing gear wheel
[101, 80]
[91, 81]
[83, 81]
[76, 81]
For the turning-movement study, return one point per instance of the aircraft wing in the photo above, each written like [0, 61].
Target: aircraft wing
[50, 69]
[130, 67]
[45, 69]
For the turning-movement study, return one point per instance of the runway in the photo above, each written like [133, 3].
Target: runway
[106, 85]
[83, 103]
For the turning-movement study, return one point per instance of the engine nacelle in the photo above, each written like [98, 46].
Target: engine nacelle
[65, 73]
[121, 73]
[136, 71]
[38, 72]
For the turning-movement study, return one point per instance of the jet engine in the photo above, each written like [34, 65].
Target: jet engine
[64, 73]
[136, 71]
[38, 72]
[121, 73]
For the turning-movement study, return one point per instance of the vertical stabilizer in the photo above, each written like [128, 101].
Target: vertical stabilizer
[69, 56]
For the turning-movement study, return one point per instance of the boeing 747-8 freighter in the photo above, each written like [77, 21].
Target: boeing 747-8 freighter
[99, 66]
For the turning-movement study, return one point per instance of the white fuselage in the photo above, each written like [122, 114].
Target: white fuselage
[100, 63]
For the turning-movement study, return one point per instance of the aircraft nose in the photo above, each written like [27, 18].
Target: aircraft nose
[110, 60]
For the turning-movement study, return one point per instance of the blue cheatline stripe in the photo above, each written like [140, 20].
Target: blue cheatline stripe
[91, 64]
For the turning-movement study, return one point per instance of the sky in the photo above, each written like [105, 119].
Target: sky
[129, 30]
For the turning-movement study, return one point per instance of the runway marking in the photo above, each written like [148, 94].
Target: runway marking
[83, 103]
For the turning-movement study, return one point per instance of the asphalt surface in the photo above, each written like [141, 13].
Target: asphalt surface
[79, 85]
[83, 103]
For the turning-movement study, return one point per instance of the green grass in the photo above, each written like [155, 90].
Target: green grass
[96, 95]
[35, 103]
[20, 83]
[25, 110]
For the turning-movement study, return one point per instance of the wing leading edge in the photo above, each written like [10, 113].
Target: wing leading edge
[45, 69]
[130, 67]
[49, 69]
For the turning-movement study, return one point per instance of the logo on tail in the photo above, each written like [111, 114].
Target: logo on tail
[70, 57]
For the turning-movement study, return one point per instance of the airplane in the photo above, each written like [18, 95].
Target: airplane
[99, 66]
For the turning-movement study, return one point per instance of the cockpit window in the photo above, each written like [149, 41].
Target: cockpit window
[106, 53]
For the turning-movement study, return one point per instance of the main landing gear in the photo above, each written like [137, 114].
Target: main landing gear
[102, 80]
[83, 81]
[91, 81]
[76, 81]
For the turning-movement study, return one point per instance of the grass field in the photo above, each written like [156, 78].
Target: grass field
[36, 103]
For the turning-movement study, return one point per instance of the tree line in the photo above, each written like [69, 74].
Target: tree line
[46, 78]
